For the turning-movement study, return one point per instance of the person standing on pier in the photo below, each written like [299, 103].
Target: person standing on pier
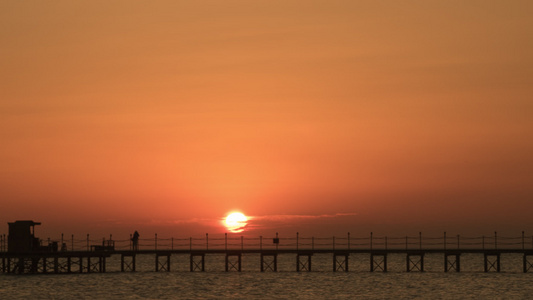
[135, 240]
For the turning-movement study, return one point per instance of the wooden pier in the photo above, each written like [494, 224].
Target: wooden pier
[92, 256]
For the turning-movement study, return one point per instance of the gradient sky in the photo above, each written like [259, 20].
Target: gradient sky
[315, 116]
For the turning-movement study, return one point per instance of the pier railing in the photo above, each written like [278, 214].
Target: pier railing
[294, 242]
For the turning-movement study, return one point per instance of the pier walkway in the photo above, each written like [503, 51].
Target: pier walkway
[70, 255]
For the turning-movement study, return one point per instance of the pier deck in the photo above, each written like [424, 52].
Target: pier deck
[87, 256]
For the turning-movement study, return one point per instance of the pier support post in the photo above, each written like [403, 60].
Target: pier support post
[340, 262]
[233, 265]
[269, 265]
[56, 265]
[491, 262]
[454, 264]
[127, 266]
[527, 265]
[415, 262]
[377, 264]
[45, 265]
[34, 268]
[162, 265]
[303, 264]
[102, 264]
[197, 265]
[80, 262]
[9, 265]
[20, 265]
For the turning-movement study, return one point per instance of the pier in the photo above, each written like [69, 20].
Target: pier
[74, 255]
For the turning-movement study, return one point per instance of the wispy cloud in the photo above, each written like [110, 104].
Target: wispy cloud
[253, 223]
[297, 217]
[253, 219]
[266, 222]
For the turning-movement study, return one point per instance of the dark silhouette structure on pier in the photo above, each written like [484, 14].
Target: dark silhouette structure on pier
[25, 253]
[21, 237]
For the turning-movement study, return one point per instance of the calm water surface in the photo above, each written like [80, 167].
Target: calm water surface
[322, 283]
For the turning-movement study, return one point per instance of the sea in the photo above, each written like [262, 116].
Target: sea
[321, 283]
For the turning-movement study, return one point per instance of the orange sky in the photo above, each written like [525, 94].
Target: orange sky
[313, 116]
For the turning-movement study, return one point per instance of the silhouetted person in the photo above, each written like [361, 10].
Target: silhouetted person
[135, 240]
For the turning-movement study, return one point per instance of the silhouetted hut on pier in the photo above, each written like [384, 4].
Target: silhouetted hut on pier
[22, 238]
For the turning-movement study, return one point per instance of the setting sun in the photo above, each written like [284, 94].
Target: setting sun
[235, 222]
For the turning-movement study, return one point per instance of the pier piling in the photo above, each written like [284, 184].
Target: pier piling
[233, 265]
[454, 264]
[196, 265]
[527, 265]
[491, 262]
[269, 262]
[163, 264]
[340, 262]
[127, 262]
[378, 262]
[303, 262]
[415, 262]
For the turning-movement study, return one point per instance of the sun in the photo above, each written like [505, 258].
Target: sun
[235, 222]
